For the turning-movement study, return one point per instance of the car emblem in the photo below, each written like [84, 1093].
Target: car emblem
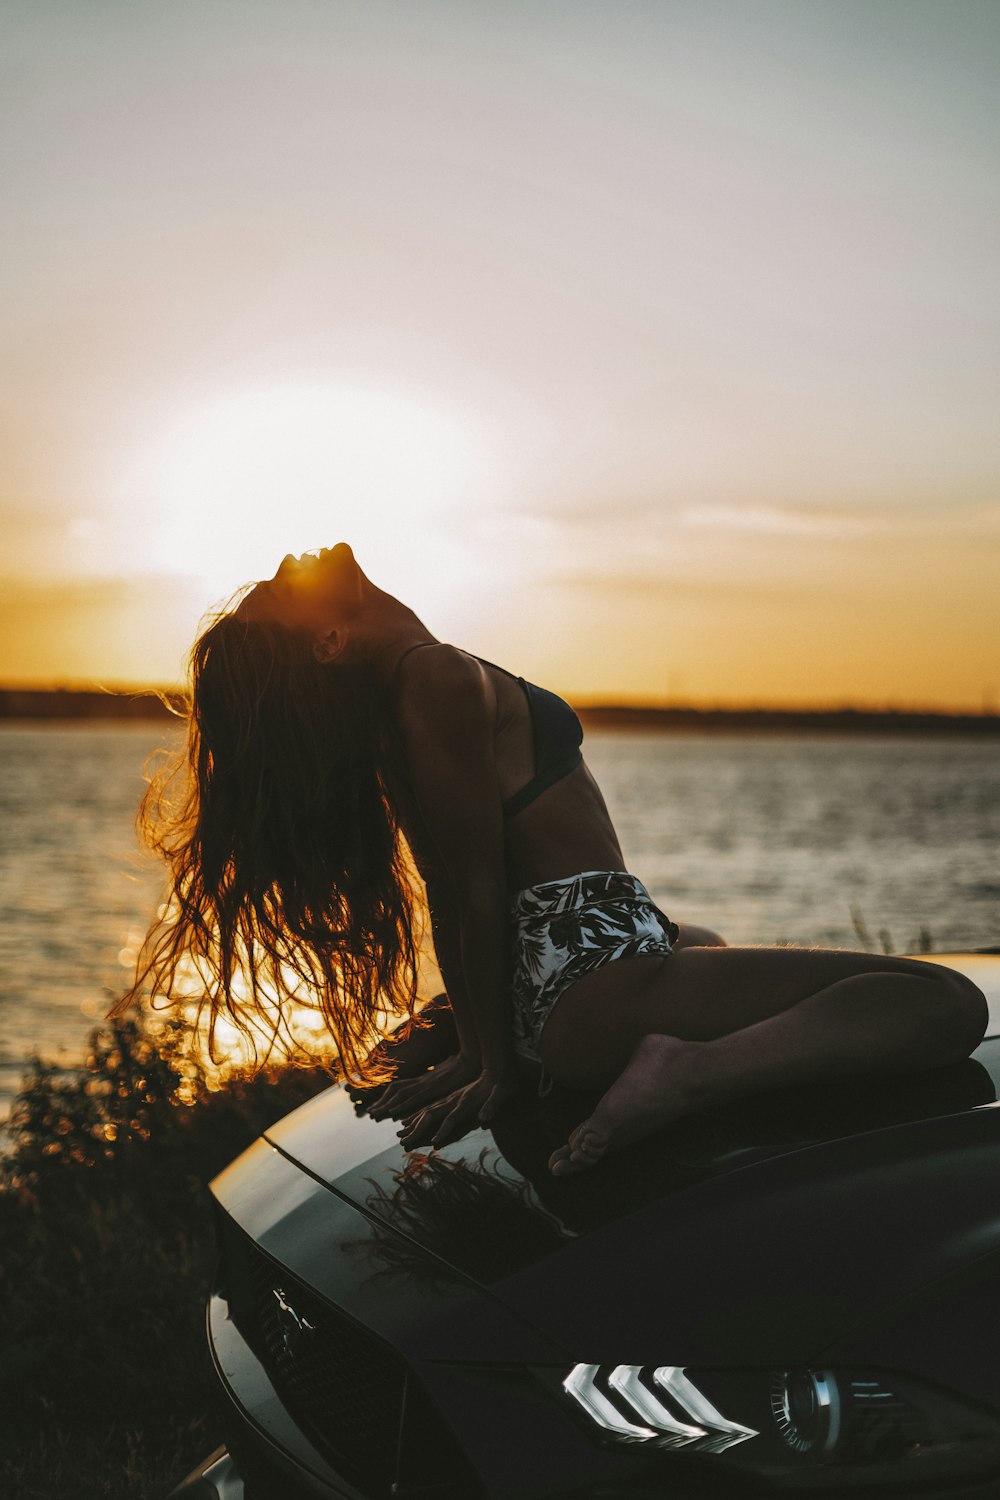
[293, 1327]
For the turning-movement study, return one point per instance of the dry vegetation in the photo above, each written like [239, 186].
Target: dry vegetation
[105, 1261]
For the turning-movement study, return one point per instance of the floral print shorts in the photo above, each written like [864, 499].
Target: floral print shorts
[567, 928]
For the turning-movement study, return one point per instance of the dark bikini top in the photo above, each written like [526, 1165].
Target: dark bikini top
[557, 732]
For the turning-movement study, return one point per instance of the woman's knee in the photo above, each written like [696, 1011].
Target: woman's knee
[961, 1012]
[692, 936]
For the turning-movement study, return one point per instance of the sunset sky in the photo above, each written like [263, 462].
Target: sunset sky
[649, 349]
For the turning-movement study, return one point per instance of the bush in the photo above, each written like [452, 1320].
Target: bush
[106, 1257]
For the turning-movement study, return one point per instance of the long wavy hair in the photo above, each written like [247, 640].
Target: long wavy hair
[289, 879]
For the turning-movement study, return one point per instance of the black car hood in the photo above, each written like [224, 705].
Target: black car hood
[761, 1239]
[762, 1231]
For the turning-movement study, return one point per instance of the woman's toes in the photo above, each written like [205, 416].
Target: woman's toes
[589, 1148]
[562, 1164]
[584, 1148]
[586, 1138]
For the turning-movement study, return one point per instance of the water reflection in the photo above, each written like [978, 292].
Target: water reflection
[476, 1214]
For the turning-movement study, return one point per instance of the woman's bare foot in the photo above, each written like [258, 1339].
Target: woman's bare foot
[657, 1085]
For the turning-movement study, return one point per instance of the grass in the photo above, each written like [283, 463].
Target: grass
[924, 942]
[106, 1256]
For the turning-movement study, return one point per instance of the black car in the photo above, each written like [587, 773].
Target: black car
[806, 1288]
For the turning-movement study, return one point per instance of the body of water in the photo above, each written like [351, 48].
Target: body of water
[767, 838]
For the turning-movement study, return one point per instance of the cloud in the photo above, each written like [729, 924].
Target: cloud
[734, 516]
[770, 520]
[635, 585]
[589, 512]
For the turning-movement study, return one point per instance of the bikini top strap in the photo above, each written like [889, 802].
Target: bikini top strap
[481, 659]
[409, 651]
[484, 663]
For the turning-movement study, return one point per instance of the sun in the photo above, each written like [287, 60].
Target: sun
[236, 481]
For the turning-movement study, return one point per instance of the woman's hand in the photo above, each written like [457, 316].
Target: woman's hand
[406, 1097]
[450, 1118]
[410, 1050]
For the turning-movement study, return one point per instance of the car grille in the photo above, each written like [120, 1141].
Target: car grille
[351, 1394]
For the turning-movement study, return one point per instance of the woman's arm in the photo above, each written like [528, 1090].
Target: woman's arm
[448, 915]
[446, 717]
[444, 916]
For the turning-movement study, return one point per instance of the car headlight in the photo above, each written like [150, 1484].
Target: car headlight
[788, 1424]
[641, 1412]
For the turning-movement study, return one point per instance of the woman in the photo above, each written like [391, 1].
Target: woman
[327, 722]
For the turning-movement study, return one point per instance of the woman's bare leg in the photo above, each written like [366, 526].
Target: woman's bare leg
[711, 1024]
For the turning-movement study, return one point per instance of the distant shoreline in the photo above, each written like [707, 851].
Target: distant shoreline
[87, 703]
[817, 721]
[113, 705]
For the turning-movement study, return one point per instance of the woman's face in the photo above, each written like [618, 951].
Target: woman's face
[315, 593]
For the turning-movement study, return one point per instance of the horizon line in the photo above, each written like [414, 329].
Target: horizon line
[585, 704]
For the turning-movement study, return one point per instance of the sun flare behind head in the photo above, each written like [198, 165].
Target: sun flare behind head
[240, 480]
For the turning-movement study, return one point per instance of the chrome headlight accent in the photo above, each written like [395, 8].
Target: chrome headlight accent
[722, 1432]
[714, 1433]
[625, 1379]
[579, 1384]
[859, 1426]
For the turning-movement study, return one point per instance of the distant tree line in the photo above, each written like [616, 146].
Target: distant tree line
[86, 703]
[825, 721]
[152, 703]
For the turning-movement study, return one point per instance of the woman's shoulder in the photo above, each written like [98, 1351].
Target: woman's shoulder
[438, 677]
[446, 713]
[438, 660]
